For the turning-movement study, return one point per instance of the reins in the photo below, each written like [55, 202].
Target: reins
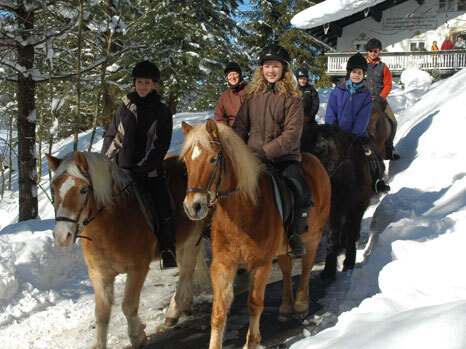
[334, 171]
[220, 165]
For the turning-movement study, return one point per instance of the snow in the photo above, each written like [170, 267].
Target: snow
[329, 11]
[405, 292]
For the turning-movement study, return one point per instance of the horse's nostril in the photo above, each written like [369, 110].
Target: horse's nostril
[197, 207]
[69, 237]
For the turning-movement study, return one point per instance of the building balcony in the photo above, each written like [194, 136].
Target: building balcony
[444, 62]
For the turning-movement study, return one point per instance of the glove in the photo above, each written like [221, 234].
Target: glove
[378, 99]
[260, 153]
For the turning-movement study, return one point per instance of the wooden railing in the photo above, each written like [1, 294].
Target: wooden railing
[443, 61]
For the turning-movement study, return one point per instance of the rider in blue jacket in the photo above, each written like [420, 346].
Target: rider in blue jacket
[349, 107]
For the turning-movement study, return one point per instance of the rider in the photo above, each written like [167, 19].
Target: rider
[310, 97]
[138, 140]
[230, 100]
[349, 107]
[379, 83]
[270, 120]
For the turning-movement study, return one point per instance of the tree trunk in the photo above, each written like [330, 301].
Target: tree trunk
[26, 124]
[78, 78]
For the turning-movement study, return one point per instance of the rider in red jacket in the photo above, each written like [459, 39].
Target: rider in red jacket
[379, 82]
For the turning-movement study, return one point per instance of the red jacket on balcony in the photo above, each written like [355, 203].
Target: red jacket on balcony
[447, 44]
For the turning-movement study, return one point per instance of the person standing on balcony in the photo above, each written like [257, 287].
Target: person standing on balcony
[434, 46]
[310, 97]
[230, 100]
[379, 83]
[460, 44]
[447, 44]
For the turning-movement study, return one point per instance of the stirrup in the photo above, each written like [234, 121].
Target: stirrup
[167, 260]
[296, 243]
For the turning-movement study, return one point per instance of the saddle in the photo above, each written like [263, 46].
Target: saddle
[283, 196]
[147, 205]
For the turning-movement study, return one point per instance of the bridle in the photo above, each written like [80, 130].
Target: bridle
[76, 222]
[220, 165]
[90, 217]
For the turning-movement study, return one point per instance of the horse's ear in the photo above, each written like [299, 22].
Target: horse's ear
[212, 129]
[186, 128]
[53, 162]
[81, 161]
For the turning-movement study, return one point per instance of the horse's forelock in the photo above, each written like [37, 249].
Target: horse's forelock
[245, 164]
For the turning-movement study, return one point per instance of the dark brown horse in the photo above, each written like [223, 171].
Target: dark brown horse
[379, 128]
[247, 230]
[344, 159]
[94, 199]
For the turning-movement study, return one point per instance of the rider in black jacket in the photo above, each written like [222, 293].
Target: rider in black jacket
[138, 140]
[310, 97]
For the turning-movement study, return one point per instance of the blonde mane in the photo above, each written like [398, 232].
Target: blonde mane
[106, 177]
[246, 166]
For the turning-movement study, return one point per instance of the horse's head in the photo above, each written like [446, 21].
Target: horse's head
[219, 164]
[205, 162]
[321, 140]
[71, 189]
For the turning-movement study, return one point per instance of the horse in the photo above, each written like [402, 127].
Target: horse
[344, 158]
[379, 128]
[247, 231]
[95, 200]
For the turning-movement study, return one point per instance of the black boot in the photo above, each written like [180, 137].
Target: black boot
[167, 243]
[380, 186]
[300, 226]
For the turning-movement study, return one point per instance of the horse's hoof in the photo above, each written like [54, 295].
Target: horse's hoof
[300, 315]
[139, 341]
[327, 276]
[170, 322]
[285, 317]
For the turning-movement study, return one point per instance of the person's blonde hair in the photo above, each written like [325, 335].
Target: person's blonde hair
[287, 85]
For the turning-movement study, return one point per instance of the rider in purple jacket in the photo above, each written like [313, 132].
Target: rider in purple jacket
[349, 107]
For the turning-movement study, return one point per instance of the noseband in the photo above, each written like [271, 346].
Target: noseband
[220, 165]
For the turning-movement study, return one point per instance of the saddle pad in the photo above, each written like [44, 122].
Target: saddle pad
[283, 197]
[147, 206]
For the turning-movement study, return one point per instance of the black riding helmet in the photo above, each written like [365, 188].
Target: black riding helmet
[275, 52]
[232, 66]
[356, 61]
[146, 69]
[373, 43]
[302, 73]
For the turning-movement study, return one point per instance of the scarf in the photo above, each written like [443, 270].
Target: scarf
[352, 87]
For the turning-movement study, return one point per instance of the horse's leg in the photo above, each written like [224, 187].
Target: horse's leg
[130, 304]
[353, 229]
[285, 312]
[222, 275]
[332, 250]
[103, 289]
[182, 299]
[259, 278]
[301, 304]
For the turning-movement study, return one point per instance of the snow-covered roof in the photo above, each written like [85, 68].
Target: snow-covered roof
[329, 11]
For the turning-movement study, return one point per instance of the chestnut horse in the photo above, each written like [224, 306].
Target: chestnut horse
[247, 230]
[379, 128]
[95, 200]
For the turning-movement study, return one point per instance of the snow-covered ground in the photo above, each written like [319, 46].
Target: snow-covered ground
[406, 291]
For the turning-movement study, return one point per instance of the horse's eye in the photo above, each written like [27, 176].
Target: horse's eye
[84, 190]
[213, 159]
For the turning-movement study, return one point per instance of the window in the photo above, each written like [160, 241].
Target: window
[452, 5]
[417, 46]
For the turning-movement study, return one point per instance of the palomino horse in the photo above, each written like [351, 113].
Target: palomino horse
[379, 128]
[344, 159]
[95, 200]
[247, 230]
